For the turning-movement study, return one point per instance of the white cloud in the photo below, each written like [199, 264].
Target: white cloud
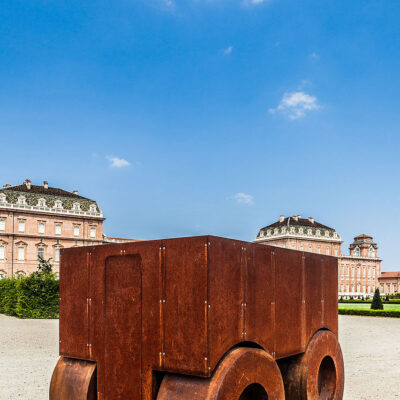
[314, 55]
[228, 50]
[243, 198]
[255, 2]
[296, 104]
[116, 162]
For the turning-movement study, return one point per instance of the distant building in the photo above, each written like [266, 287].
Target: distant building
[304, 234]
[357, 273]
[389, 282]
[39, 221]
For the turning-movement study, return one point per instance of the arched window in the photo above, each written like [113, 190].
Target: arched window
[371, 252]
[21, 200]
[357, 251]
[77, 207]
[42, 203]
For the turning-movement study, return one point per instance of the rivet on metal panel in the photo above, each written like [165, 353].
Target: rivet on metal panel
[205, 358]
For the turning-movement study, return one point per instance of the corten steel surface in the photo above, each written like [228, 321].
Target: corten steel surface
[179, 305]
[318, 373]
[243, 374]
[73, 379]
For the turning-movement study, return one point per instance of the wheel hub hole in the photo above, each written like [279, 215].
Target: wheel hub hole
[327, 379]
[254, 392]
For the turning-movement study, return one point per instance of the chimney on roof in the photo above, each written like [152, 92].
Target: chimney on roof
[296, 217]
[311, 219]
[75, 192]
[28, 184]
[281, 218]
[7, 185]
[45, 184]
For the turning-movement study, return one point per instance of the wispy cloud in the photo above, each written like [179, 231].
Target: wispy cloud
[243, 198]
[255, 2]
[116, 162]
[314, 55]
[296, 104]
[228, 50]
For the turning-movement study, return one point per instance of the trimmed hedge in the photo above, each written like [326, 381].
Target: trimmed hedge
[367, 301]
[369, 313]
[34, 296]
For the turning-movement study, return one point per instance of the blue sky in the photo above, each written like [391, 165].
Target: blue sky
[194, 117]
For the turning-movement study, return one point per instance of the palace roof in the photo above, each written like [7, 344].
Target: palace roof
[41, 190]
[297, 221]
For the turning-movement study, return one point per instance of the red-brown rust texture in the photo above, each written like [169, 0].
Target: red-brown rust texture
[179, 305]
[73, 380]
[243, 371]
[318, 373]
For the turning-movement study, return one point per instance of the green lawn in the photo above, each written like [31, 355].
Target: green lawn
[367, 306]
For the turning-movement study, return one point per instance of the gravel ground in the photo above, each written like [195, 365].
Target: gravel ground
[371, 348]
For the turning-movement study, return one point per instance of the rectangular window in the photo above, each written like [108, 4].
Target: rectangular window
[21, 226]
[40, 252]
[336, 252]
[319, 250]
[76, 230]
[58, 229]
[41, 227]
[1, 252]
[21, 253]
[57, 255]
[327, 251]
[92, 232]
[2, 225]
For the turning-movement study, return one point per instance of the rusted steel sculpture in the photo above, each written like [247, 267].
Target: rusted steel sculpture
[201, 318]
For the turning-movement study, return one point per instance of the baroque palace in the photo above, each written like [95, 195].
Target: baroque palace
[359, 272]
[39, 221]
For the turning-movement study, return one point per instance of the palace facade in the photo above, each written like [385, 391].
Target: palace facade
[389, 282]
[358, 272]
[38, 221]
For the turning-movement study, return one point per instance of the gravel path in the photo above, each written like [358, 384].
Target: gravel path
[28, 354]
[371, 347]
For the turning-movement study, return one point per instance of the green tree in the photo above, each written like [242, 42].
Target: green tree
[44, 267]
[377, 301]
